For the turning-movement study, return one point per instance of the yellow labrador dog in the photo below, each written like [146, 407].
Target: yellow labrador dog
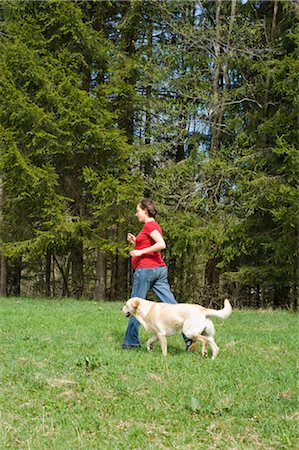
[164, 319]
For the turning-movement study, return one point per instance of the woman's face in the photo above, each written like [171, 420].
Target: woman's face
[141, 214]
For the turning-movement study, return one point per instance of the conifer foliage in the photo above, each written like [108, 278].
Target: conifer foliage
[192, 103]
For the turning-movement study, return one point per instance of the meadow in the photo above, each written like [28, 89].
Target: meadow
[65, 382]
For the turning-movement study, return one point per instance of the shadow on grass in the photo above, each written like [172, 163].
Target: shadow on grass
[118, 339]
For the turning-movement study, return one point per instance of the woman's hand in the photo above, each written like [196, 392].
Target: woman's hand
[157, 247]
[131, 238]
[135, 253]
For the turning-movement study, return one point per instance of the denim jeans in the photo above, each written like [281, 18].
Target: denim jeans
[144, 280]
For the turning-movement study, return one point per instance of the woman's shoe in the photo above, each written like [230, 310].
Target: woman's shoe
[130, 347]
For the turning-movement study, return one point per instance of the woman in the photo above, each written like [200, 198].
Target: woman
[150, 270]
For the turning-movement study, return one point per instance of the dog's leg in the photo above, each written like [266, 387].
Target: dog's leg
[193, 328]
[202, 338]
[163, 342]
[150, 342]
[204, 350]
[214, 347]
[210, 334]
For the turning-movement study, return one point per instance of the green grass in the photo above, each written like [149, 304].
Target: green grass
[65, 383]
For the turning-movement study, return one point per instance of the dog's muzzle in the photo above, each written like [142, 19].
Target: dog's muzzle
[126, 311]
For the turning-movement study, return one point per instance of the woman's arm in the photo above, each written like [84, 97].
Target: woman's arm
[131, 238]
[156, 247]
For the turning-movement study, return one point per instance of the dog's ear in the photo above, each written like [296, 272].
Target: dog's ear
[135, 302]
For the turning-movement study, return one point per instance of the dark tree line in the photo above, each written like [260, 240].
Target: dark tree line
[191, 103]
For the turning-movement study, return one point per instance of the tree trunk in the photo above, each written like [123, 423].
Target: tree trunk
[100, 286]
[76, 259]
[3, 276]
[212, 272]
[122, 284]
[48, 265]
[15, 278]
[3, 267]
[65, 277]
[129, 35]
[258, 296]
[147, 139]
[221, 88]
[112, 290]
[281, 297]
[53, 278]
[268, 77]
[216, 104]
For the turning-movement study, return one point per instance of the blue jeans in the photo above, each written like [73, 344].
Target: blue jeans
[144, 280]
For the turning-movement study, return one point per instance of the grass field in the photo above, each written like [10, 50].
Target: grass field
[65, 383]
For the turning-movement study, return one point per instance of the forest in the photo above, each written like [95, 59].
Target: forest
[191, 103]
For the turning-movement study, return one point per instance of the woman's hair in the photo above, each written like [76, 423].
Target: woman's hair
[149, 205]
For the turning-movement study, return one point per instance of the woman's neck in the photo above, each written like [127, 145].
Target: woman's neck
[149, 219]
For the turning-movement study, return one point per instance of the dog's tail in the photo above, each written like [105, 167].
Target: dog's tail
[222, 313]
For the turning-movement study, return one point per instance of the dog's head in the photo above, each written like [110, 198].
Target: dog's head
[130, 308]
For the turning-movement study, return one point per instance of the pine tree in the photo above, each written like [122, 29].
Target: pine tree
[265, 202]
[56, 124]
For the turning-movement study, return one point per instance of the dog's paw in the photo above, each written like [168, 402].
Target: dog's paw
[214, 355]
[205, 354]
[149, 348]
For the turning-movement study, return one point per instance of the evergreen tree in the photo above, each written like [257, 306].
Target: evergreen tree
[263, 237]
[56, 124]
[192, 103]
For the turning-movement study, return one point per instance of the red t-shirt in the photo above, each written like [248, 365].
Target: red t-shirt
[143, 240]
